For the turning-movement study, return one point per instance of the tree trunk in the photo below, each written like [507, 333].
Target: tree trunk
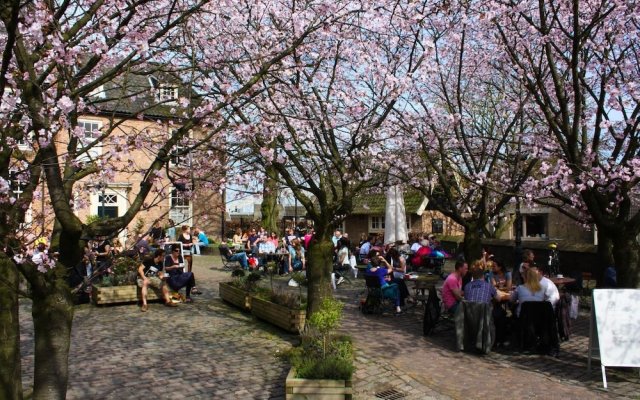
[52, 317]
[269, 206]
[319, 268]
[625, 252]
[605, 257]
[472, 244]
[10, 373]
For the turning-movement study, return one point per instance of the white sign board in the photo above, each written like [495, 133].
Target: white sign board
[618, 321]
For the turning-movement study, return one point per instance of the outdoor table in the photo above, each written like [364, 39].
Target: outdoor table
[561, 281]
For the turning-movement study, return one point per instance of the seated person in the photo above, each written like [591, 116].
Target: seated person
[241, 256]
[142, 246]
[201, 241]
[266, 250]
[420, 257]
[499, 277]
[380, 268]
[479, 290]
[551, 293]
[399, 267]
[150, 274]
[296, 256]
[530, 290]
[365, 248]
[452, 289]
[174, 266]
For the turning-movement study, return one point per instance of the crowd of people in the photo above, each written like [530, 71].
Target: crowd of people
[489, 282]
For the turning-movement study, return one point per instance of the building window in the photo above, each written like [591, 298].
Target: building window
[437, 225]
[17, 185]
[533, 226]
[178, 158]
[24, 143]
[98, 92]
[167, 93]
[178, 199]
[91, 131]
[107, 205]
[376, 224]
[91, 128]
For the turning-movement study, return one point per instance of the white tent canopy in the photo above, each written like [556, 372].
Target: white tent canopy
[395, 218]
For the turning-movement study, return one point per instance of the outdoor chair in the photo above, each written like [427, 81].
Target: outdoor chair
[434, 313]
[475, 330]
[537, 328]
[375, 300]
[228, 265]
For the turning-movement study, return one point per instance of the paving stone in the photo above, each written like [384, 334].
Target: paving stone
[210, 350]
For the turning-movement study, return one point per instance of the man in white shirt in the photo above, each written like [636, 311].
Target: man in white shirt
[551, 293]
[336, 236]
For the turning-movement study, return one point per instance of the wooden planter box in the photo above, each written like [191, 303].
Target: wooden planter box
[317, 389]
[283, 317]
[102, 295]
[235, 296]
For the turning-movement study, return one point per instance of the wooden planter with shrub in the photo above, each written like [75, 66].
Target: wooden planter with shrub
[286, 318]
[236, 296]
[102, 295]
[310, 389]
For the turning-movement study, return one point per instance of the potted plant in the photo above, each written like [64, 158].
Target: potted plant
[238, 291]
[282, 309]
[118, 284]
[322, 366]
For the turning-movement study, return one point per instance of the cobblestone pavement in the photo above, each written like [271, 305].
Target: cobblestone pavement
[204, 350]
[210, 350]
[397, 343]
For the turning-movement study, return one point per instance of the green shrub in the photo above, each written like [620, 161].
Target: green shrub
[328, 368]
[321, 354]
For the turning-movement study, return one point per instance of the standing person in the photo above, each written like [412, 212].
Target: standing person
[237, 239]
[452, 289]
[157, 233]
[150, 274]
[252, 241]
[104, 255]
[307, 238]
[171, 231]
[187, 244]
[336, 236]
[528, 258]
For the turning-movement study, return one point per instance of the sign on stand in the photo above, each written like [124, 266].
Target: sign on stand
[617, 319]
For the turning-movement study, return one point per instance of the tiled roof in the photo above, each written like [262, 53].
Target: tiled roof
[132, 94]
[374, 204]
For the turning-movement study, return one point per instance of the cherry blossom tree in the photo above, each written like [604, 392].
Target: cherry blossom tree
[462, 125]
[320, 121]
[56, 57]
[578, 60]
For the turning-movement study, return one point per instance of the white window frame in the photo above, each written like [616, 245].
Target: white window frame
[184, 161]
[18, 189]
[98, 92]
[525, 234]
[167, 93]
[184, 209]
[376, 223]
[24, 144]
[90, 135]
